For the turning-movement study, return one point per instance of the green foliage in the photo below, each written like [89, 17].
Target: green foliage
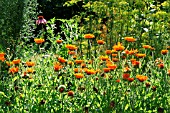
[17, 18]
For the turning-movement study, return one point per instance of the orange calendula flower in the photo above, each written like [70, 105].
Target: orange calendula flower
[70, 93]
[79, 61]
[71, 52]
[90, 61]
[83, 65]
[104, 58]
[2, 59]
[39, 40]
[164, 52]
[130, 39]
[2, 54]
[130, 79]
[106, 70]
[70, 63]
[71, 47]
[74, 56]
[78, 75]
[90, 71]
[57, 67]
[114, 55]
[59, 41]
[13, 70]
[100, 42]
[118, 80]
[61, 60]
[136, 63]
[168, 47]
[112, 66]
[77, 70]
[108, 52]
[89, 36]
[9, 63]
[108, 62]
[132, 60]
[132, 51]
[118, 47]
[168, 72]
[147, 46]
[16, 61]
[115, 59]
[30, 70]
[140, 55]
[126, 70]
[126, 76]
[161, 65]
[30, 64]
[126, 51]
[141, 78]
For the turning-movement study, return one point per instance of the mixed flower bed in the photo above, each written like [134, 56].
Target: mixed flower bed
[91, 72]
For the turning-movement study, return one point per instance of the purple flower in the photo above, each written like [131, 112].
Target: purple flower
[41, 20]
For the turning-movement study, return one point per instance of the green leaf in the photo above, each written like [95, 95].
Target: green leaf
[2, 94]
[126, 107]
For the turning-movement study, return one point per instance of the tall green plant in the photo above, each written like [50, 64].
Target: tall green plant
[16, 18]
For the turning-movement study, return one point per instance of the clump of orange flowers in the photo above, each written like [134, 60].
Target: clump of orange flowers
[130, 79]
[71, 47]
[126, 76]
[89, 36]
[126, 70]
[90, 71]
[71, 52]
[79, 61]
[77, 70]
[9, 63]
[39, 40]
[164, 52]
[30, 70]
[2, 56]
[130, 39]
[141, 78]
[108, 52]
[111, 66]
[30, 64]
[118, 80]
[59, 41]
[78, 75]
[13, 70]
[118, 47]
[115, 59]
[106, 70]
[168, 72]
[61, 60]
[100, 42]
[131, 52]
[147, 46]
[57, 67]
[161, 65]
[70, 93]
[136, 63]
[140, 55]
[104, 58]
[16, 61]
